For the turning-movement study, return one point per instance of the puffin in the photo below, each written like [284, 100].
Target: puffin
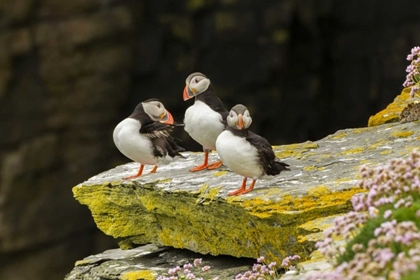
[246, 153]
[144, 136]
[206, 118]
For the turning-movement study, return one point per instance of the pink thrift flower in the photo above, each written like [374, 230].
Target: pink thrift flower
[260, 259]
[205, 268]
[387, 214]
[197, 262]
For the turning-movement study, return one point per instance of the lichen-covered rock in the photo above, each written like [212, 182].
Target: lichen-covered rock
[149, 261]
[392, 112]
[192, 210]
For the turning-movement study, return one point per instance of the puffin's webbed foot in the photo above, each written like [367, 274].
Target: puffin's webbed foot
[199, 168]
[205, 163]
[137, 175]
[154, 169]
[243, 190]
[215, 165]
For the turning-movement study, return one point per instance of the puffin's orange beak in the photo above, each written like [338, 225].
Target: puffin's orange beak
[185, 95]
[240, 123]
[167, 118]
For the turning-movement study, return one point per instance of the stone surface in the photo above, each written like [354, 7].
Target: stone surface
[149, 261]
[282, 216]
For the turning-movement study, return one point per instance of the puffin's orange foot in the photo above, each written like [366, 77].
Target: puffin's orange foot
[138, 173]
[239, 192]
[131, 177]
[199, 168]
[154, 169]
[235, 192]
[215, 165]
[243, 189]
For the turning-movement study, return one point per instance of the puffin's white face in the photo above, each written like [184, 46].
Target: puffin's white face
[239, 121]
[199, 84]
[157, 111]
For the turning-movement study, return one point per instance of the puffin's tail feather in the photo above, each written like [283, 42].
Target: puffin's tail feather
[276, 167]
[175, 148]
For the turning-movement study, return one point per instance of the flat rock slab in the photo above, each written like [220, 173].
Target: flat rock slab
[284, 215]
[149, 261]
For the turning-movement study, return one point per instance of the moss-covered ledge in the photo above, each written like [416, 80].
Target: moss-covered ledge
[280, 217]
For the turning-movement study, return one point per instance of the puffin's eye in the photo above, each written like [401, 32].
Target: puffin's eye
[196, 80]
[158, 106]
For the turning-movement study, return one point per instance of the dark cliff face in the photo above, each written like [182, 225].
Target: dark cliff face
[71, 70]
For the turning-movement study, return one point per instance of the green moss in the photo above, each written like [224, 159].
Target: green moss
[412, 276]
[367, 231]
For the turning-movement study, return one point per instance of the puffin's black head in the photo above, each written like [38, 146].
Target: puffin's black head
[155, 110]
[195, 84]
[239, 117]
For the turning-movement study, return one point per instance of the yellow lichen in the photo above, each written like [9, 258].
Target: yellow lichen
[365, 161]
[402, 134]
[360, 130]
[313, 168]
[295, 150]
[139, 275]
[377, 144]
[342, 180]
[220, 173]
[266, 208]
[318, 191]
[386, 152]
[209, 195]
[309, 168]
[353, 151]
[392, 112]
[313, 230]
[339, 135]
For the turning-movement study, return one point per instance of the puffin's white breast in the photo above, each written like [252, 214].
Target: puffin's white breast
[203, 124]
[132, 144]
[239, 155]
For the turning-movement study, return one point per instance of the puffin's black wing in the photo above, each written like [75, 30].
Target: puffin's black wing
[213, 102]
[268, 160]
[155, 130]
[163, 142]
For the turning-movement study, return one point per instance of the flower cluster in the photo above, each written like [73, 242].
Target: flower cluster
[382, 234]
[413, 77]
[260, 270]
[186, 272]
[290, 262]
[346, 227]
